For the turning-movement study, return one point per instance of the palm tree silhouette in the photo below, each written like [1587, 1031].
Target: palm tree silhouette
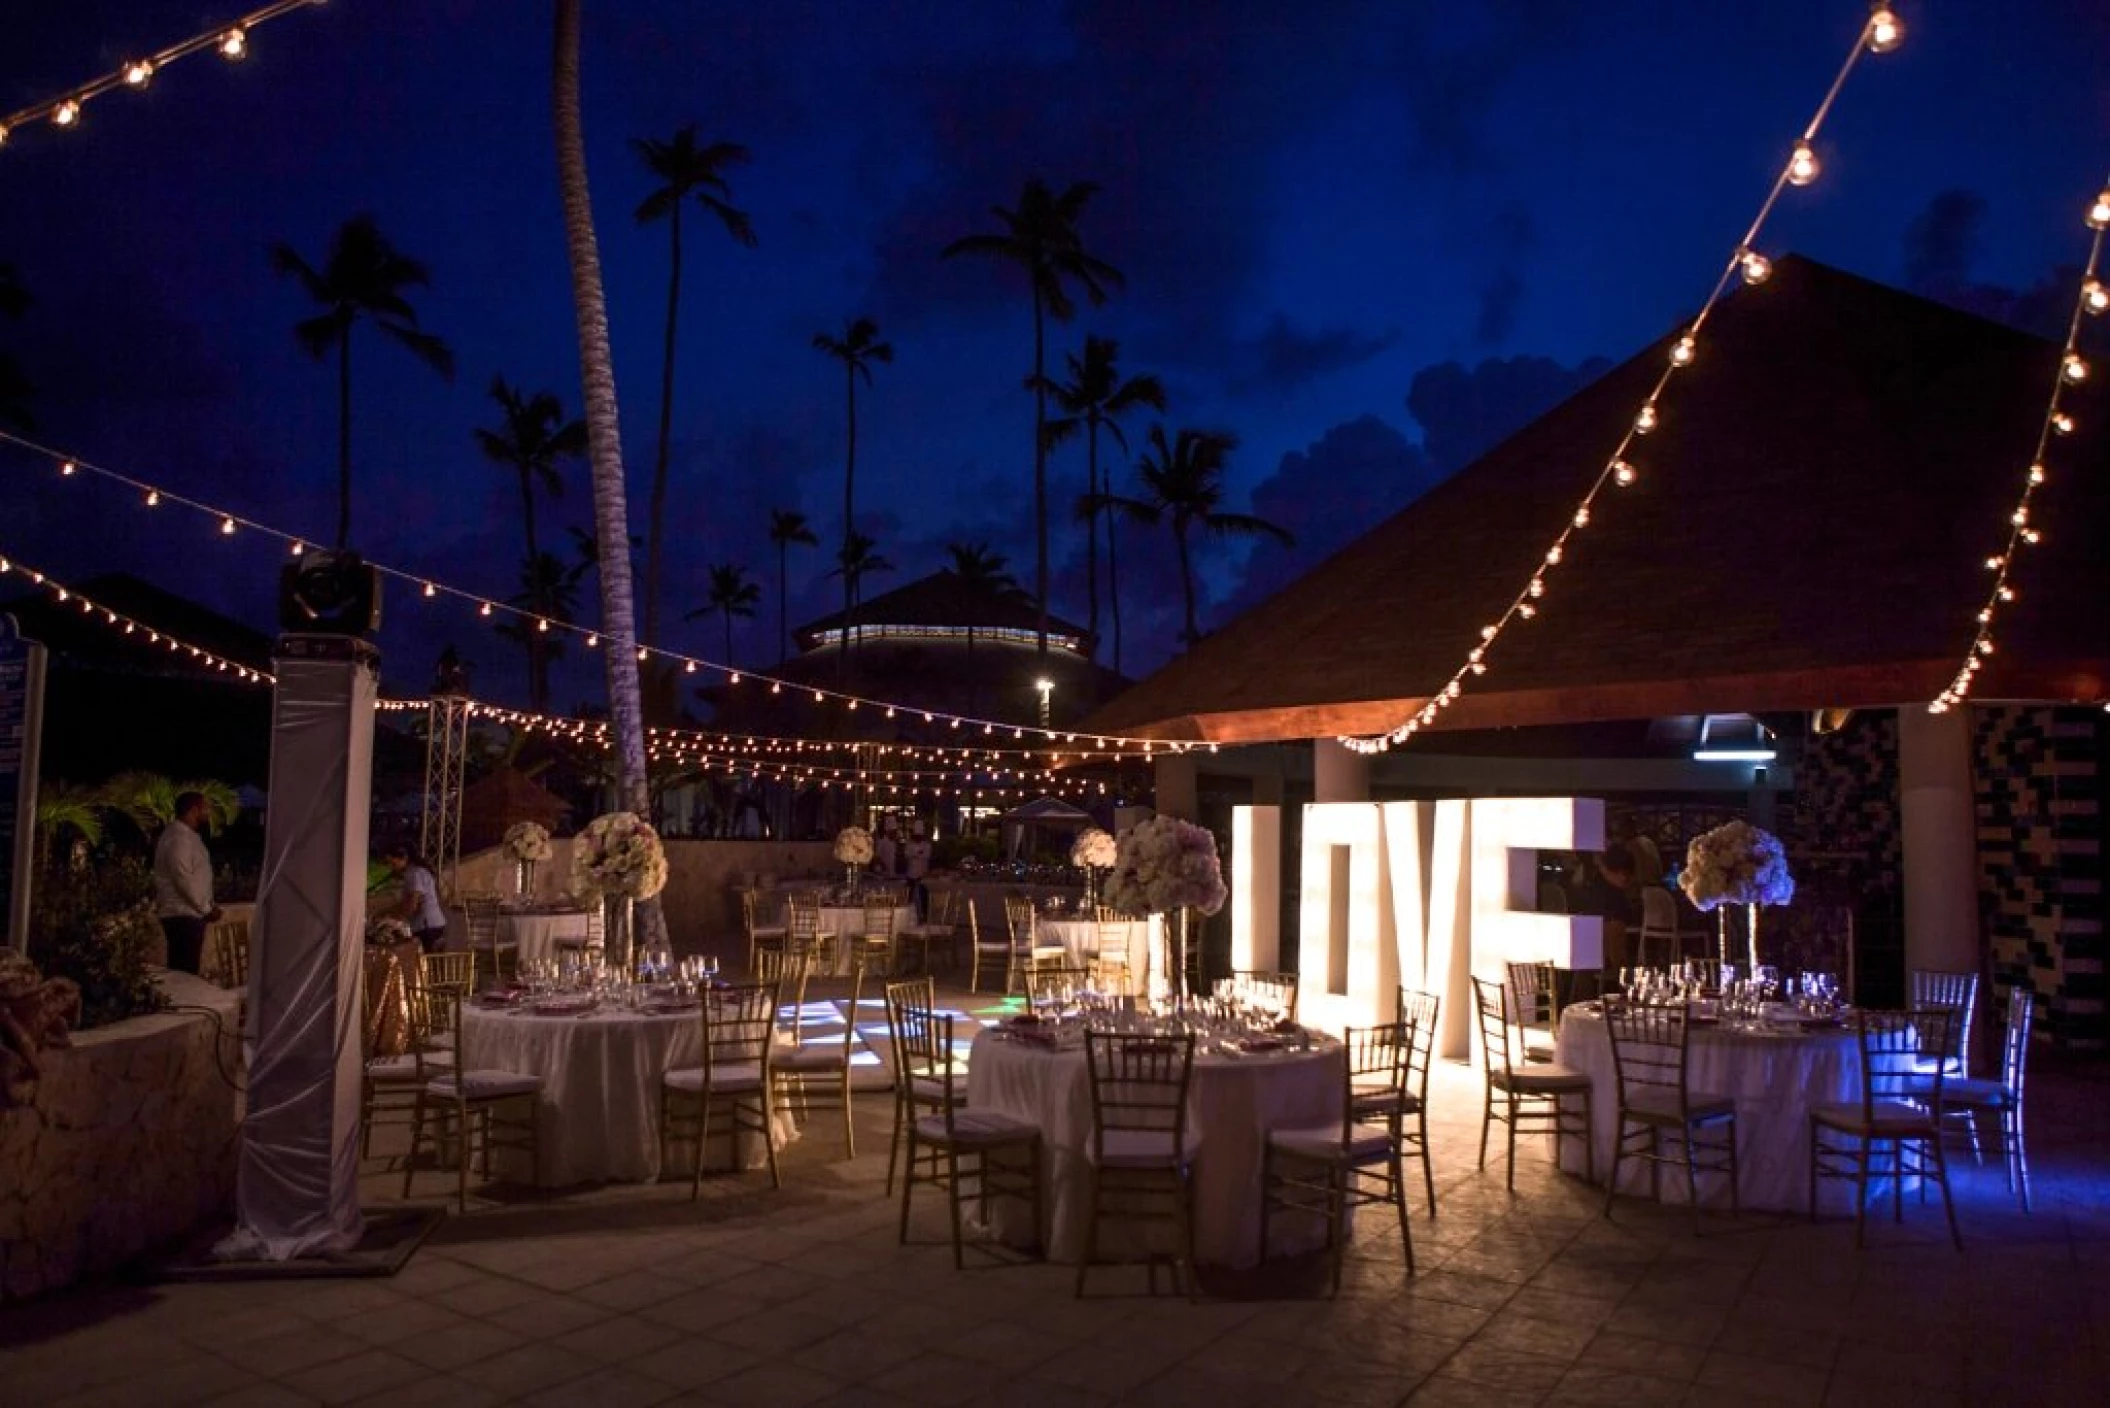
[684, 171]
[732, 594]
[603, 430]
[982, 578]
[1183, 480]
[787, 527]
[363, 275]
[14, 386]
[856, 349]
[1041, 237]
[531, 440]
[549, 589]
[1096, 397]
[854, 561]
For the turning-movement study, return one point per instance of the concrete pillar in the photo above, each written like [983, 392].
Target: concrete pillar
[1337, 774]
[1179, 786]
[1940, 840]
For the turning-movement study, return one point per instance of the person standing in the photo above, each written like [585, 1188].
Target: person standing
[420, 908]
[917, 863]
[183, 883]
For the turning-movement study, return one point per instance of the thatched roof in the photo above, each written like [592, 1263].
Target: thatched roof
[1809, 529]
[501, 797]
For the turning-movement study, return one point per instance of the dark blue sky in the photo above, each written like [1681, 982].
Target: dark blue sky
[1341, 223]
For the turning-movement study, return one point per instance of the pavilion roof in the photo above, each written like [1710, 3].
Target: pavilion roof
[1809, 529]
[943, 598]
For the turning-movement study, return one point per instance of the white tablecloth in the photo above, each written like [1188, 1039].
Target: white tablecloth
[1774, 1080]
[1231, 1105]
[846, 922]
[1080, 939]
[536, 932]
[598, 1120]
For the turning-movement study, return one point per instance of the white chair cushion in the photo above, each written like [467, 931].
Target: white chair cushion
[485, 1085]
[974, 1127]
[1892, 1118]
[724, 1080]
[389, 1070]
[1142, 1148]
[826, 1055]
[930, 1090]
[1365, 1142]
[1985, 1094]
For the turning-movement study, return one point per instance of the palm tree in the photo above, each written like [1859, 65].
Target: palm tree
[683, 170]
[1096, 397]
[732, 594]
[533, 438]
[62, 807]
[148, 800]
[854, 561]
[856, 349]
[786, 527]
[1183, 480]
[549, 588]
[363, 276]
[14, 386]
[982, 577]
[603, 428]
[1041, 237]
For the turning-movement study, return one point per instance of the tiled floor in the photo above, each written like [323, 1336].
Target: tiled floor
[635, 1295]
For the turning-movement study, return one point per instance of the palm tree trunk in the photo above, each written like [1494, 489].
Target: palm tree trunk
[655, 528]
[344, 434]
[1091, 534]
[1040, 472]
[783, 625]
[1113, 581]
[603, 432]
[1179, 536]
[538, 670]
[728, 636]
[842, 664]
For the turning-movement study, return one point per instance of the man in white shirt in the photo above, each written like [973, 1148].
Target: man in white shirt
[916, 862]
[183, 883]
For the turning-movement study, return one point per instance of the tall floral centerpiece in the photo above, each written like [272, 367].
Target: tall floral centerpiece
[853, 847]
[1093, 852]
[1736, 863]
[527, 845]
[618, 860]
[1167, 866]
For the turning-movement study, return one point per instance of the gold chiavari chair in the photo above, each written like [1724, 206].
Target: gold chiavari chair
[806, 933]
[1142, 1151]
[957, 1147]
[759, 933]
[1533, 1094]
[918, 1089]
[735, 1081]
[817, 1073]
[487, 1109]
[493, 957]
[229, 940]
[1113, 966]
[873, 949]
[1651, 1050]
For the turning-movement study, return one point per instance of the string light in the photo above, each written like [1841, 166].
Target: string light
[431, 588]
[127, 625]
[231, 42]
[1879, 34]
[2022, 530]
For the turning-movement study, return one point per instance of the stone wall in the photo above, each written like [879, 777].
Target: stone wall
[130, 1144]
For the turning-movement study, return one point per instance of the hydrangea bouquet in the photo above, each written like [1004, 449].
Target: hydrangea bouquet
[528, 841]
[618, 856]
[853, 846]
[1093, 850]
[1165, 864]
[1737, 863]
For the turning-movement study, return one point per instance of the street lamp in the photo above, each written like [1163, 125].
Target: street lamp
[1046, 687]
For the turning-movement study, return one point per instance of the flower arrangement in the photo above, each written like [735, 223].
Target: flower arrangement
[1093, 850]
[853, 846]
[1736, 863]
[1163, 865]
[527, 840]
[619, 855]
[388, 931]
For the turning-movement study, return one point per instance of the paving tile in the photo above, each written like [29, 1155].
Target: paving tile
[776, 1385]
[458, 1345]
[1617, 1388]
[197, 1380]
[1635, 1354]
[1762, 1379]
[1503, 1369]
[276, 1355]
[526, 1370]
[263, 1394]
[693, 1362]
[604, 1388]
[361, 1376]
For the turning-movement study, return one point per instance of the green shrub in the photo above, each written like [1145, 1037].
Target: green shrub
[949, 851]
[98, 928]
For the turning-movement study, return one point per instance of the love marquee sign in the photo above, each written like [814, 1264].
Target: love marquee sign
[1426, 894]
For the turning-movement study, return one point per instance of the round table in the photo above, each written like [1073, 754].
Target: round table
[847, 922]
[1232, 1104]
[598, 1117]
[1774, 1074]
[536, 933]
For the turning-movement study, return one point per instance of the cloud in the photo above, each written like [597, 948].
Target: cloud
[1464, 412]
[1284, 358]
[1942, 242]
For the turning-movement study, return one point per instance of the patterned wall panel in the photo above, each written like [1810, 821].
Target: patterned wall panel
[2039, 785]
[1846, 843]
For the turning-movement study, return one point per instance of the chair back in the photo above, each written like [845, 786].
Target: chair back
[1417, 1013]
[482, 913]
[230, 952]
[1019, 916]
[900, 997]
[2014, 1044]
[1376, 1069]
[1491, 1002]
[1959, 993]
[738, 1024]
[788, 970]
[879, 919]
[1649, 1050]
[923, 1041]
[1531, 994]
[436, 1038]
[1139, 1090]
[453, 972]
[1266, 987]
[939, 915]
[750, 912]
[802, 921]
[1110, 943]
[1659, 912]
[1891, 1045]
[974, 927]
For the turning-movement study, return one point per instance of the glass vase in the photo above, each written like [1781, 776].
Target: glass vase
[524, 879]
[617, 912]
[850, 881]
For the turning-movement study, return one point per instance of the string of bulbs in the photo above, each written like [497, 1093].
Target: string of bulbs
[229, 41]
[2092, 299]
[1882, 32]
[127, 625]
[70, 466]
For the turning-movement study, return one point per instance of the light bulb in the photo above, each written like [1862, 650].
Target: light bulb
[1803, 166]
[1553, 555]
[2074, 368]
[484, 610]
[138, 72]
[234, 44]
[1645, 419]
[2094, 297]
[593, 640]
[2062, 423]
[2019, 517]
[2099, 213]
[2036, 474]
[1622, 473]
[431, 590]
[1757, 268]
[297, 549]
[1885, 30]
[1681, 351]
[227, 527]
[542, 624]
[153, 498]
[3, 134]
[66, 114]
[1537, 587]
[66, 469]
[1582, 516]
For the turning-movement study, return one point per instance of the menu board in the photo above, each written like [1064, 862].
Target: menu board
[21, 723]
